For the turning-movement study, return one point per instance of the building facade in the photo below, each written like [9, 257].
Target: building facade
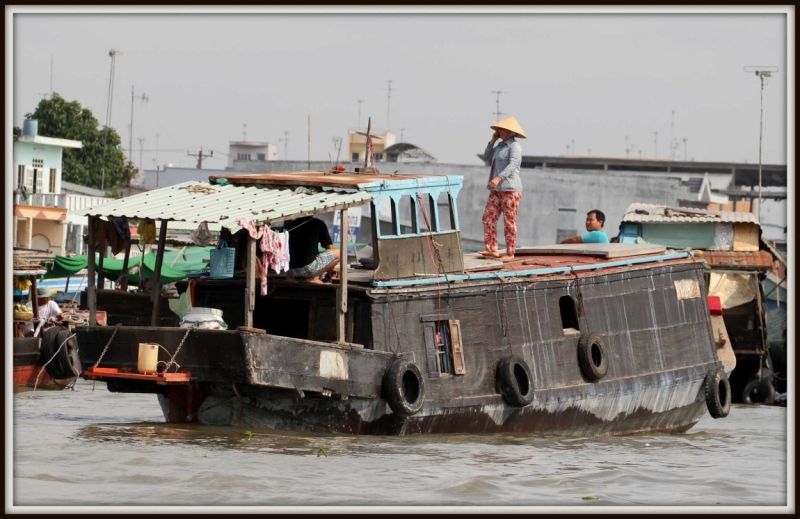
[246, 151]
[357, 145]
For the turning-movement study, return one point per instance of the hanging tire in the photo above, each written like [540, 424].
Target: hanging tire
[65, 363]
[592, 357]
[718, 394]
[759, 391]
[404, 388]
[515, 381]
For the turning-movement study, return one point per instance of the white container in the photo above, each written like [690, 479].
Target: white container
[148, 358]
[203, 319]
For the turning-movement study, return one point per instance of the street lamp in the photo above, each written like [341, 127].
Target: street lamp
[762, 73]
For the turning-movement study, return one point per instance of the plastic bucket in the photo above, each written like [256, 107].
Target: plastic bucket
[148, 358]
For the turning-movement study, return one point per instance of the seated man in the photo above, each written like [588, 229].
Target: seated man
[595, 219]
[47, 308]
[306, 234]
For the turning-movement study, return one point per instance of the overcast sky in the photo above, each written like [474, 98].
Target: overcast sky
[585, 77]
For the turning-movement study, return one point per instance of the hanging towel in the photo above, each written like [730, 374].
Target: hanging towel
[147, 231]
[202, 235]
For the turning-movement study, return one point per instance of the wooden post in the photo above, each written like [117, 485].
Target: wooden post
[34, 298]
[123, 281]
[156, 294]
[341, 292]
[250, 288]
[101, 276]
[91, 289]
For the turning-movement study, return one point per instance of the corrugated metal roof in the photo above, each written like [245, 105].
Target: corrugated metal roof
[652, 213]
[195, 202]
[761, 259]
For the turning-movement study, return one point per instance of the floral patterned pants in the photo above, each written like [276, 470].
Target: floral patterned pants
[506, 202]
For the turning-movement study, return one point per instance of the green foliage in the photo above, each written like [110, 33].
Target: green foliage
[17, 131]
[101, 161]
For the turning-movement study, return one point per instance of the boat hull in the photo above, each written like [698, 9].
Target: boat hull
[666, 402]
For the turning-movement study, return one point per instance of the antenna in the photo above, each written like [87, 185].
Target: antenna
[110, 102]
[685, 155]
[337, 144]
[388, 103]
[656, 141]
[244, 133]
[359, 114]
[671, 141]
[497, 112]
[762, 73]
[285, 142]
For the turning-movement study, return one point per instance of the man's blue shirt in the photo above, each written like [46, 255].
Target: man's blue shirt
[595, 237]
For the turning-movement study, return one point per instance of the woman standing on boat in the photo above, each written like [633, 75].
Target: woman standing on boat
[505, 187]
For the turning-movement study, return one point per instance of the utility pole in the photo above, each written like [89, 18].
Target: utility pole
[656, 141]
[200, 157]
[244, 133]
[359, 114]
[497, 111]
[141, 149]
[110, 103]
[337, 144]
[685, 154]
[285, 142]
[51, 76]
[671, 127]
[388, 103]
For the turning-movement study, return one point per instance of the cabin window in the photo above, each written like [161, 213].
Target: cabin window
[445, 212]
[569, 314]
[444, 346]
[408, 215]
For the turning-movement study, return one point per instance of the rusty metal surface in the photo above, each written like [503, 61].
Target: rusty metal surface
[759, 260]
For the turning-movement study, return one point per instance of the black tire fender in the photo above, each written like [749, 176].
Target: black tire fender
[61, 363]
[759, 391]
[404, 388]
[718, 393]
[515, 381]
[592, 356]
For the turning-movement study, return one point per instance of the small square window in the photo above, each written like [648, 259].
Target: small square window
[354, 158]
[262, 156]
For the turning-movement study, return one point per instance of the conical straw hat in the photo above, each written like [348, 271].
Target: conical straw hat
[510, 124]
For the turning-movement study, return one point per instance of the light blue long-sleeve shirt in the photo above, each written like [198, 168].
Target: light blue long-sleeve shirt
[506, 158]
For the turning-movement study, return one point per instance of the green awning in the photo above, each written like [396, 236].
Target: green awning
[148, 267]
[65, 267]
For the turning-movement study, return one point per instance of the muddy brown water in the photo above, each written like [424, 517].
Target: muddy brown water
[93, 447]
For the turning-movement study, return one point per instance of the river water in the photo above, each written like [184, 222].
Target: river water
[93, 447]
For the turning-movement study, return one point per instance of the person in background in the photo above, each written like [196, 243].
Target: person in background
[505, 187]
[48, 308]
[306, 234]
[595, 219]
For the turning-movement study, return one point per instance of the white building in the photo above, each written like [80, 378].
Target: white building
[251, 151]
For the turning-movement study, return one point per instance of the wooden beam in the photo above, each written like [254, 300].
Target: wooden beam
[34, 298]
[123, 280]
[91, 288]
[341, 291]
[156, 294]
[250, 286]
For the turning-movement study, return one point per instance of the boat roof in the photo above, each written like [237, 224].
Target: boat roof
[654, 213]
[266, 198]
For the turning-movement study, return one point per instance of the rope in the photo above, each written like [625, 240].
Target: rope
[116, 329]
[51, 360]
[394, 321]
[504, 320]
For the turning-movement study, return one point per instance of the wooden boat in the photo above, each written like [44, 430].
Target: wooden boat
[41, 362]
[595, 340]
